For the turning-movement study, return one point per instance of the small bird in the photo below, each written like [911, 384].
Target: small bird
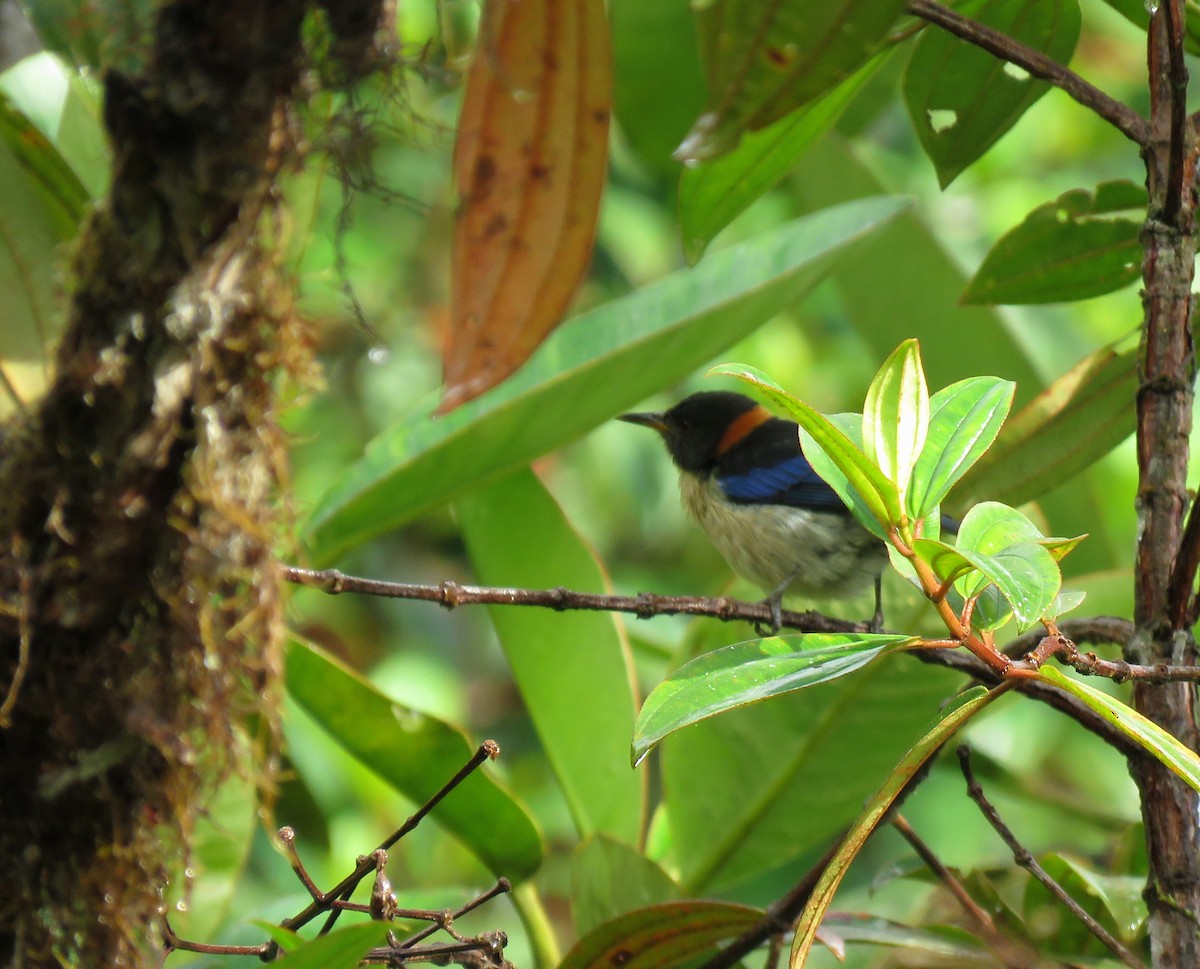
[744, 479]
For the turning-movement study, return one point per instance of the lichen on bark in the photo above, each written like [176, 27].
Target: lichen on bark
[139, 599]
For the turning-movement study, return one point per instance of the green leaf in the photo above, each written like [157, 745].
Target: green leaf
[962, 99]
[872, 498]
[661, 936]
[1146, 733]
[713, 193]
[416, 754]
[874, 812]
[1121, 897]
[763, 58]
[788, 792]
[342, 949]
[601, 363]
[1026, 576]
[1064, 602]
[1077, 420]
[1136, 13]
[750, 672]
[896, 416]
[1068, 249]
[945, 560]
[517, 536]
[1006, 549]
[658, 88]
[964, 421]
[609, 878]
[43, 201]
[933, 945]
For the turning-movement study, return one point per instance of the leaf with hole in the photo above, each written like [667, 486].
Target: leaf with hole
[962, 99]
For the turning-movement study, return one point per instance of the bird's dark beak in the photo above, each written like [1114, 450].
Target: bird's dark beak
[654, 421]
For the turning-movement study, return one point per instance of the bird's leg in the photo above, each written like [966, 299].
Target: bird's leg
[876, 623]
[774, 602]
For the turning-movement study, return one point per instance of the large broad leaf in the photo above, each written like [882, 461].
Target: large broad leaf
[658, 86]
[1075, 421]
[1176, 757]
[661, 936]
[713, 193]
[609, 878]
[417, 754]
[874, 812]
[563, 663]
[530, 163]
[751, 672]
[764, 58]
[603, 362]
[964, 421]
[786, 789]
[1068, 249]
[962, 99]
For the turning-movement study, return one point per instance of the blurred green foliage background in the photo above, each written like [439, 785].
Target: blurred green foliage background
[369, 220]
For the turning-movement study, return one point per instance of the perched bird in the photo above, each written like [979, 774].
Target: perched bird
[745, 480]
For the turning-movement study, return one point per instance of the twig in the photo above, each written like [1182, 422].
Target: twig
[1055, 644]
[382, 906]
[1181, 602]
[645, 605]
[451, 595]
[1024, 858]
[1132, 125]
[24, 634]
[1006, 950]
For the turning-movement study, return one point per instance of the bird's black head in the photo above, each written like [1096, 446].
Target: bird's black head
[696, 428]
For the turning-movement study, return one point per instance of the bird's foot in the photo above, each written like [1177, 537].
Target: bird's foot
[774, 602]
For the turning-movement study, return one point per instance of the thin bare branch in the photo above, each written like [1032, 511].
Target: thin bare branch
[1122, 117]
[451, 595]
[1025, 859]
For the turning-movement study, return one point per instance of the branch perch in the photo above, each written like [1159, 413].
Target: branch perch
[1122, 117]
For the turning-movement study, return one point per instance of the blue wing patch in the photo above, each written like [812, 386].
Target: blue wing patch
[792, 482]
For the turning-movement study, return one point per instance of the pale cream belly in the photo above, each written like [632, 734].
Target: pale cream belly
[823, 553]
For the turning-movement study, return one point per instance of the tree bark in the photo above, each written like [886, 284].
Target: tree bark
[139, 598]
[1164, 420]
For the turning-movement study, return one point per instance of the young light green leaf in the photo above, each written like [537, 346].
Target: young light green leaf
[896, 415]
[945, 560]
[962, 99]
[1068, 249]
[416, 754]
[1076, 420]
[763, 58]
[601, 363]
[964, 421]
[1174, 755]
[1025, 573]
[749, 672]
[991, 526]
[713, 193]
[1064, 602]
[874, 812]
[872, 498]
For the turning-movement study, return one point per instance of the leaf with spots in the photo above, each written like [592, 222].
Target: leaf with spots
[661, 936]
[530, 164]
[961, 98]
[764, 58]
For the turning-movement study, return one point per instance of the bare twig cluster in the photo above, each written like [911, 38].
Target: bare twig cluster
[482, 951]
